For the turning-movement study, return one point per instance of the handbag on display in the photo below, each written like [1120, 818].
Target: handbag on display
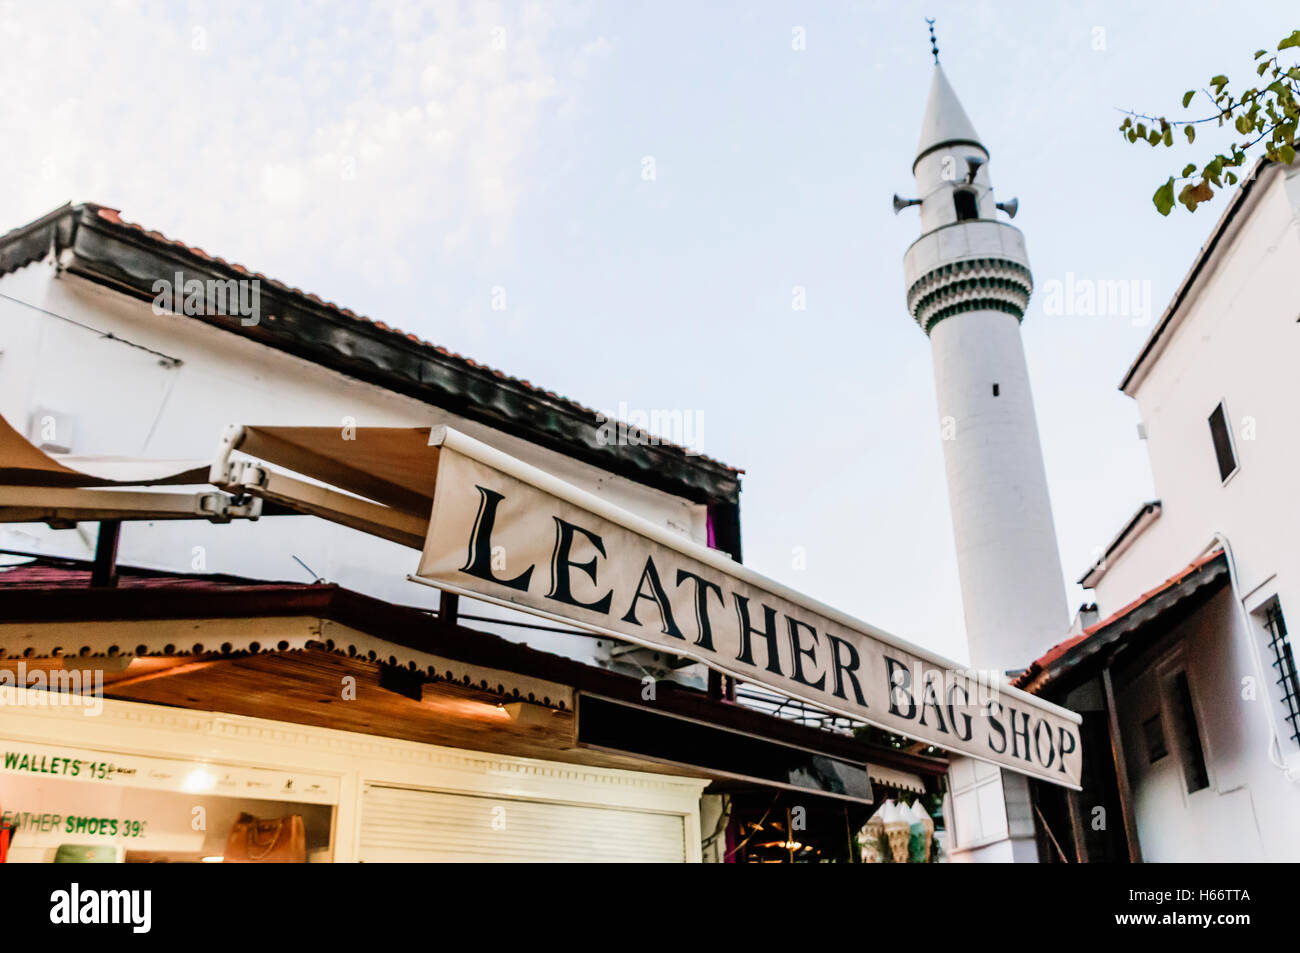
[267, 840]
[87, 854]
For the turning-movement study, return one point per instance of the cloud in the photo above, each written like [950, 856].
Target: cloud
[293, 137]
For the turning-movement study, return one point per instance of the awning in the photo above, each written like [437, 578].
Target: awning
[509, 533]
[894, 778]
[379, 480]
[62, 489]
[497, 529]
[24, 464]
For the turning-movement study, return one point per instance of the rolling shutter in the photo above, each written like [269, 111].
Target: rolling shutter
[408, 825]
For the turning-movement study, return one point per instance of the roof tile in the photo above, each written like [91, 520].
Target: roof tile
[114, 216]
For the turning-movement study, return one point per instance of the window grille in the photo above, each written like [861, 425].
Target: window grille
[1284, 664]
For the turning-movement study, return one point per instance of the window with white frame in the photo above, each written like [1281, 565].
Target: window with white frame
[978, 815]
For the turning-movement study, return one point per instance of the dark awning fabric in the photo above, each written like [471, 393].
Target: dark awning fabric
[395, 466]
[1198, 581]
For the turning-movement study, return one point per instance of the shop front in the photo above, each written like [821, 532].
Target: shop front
[241, 720]
[197, 718]
[216, 788]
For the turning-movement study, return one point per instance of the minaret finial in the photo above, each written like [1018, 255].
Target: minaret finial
[934, 43]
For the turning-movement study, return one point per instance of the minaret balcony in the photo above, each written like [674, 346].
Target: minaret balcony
[967, 266]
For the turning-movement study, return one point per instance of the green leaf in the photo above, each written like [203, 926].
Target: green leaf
[1259, 53]
[1290, 41]
[1188, 169]
[1287, 154]
[1168, 137]
[1214, 168]
[1244, 125]
[1232, 178]
[1187, 97]
[1218, 82]
[1164, 197]
[1194, 195]
[1191, 135]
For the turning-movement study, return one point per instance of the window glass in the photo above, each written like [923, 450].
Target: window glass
[67, 805]
[1154, 734]
[1222, 443]
[1188, 735]
[964, 199]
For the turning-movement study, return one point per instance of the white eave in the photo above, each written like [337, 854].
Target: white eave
[1165, 328]
[1135, 527]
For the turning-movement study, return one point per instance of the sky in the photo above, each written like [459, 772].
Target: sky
[671, 207]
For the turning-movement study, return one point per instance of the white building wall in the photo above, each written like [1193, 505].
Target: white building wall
[1238, 342]
[1248, 812]
[118, 395]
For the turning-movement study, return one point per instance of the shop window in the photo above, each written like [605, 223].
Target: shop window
[967, 208]
[1286, 684]
[1153, 733]
[1182, 717]
[80, 806]
[1222, 437]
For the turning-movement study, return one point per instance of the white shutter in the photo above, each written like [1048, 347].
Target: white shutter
[408, 825]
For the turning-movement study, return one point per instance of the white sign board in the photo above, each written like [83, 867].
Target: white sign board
[507, 532]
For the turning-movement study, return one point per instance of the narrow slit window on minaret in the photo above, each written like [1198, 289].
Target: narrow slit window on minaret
[995, 390]
[964, 200]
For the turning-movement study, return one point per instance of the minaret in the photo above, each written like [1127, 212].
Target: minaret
[968, 284]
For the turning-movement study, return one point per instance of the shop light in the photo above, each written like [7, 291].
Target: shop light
[216, 859]
[526, 713]
[198, 781]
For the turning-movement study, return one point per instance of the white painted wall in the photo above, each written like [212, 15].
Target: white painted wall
[1248, 813]
[55, 355]
[1238, 342]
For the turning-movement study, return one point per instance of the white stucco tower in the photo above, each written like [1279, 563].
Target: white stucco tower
[968, 284]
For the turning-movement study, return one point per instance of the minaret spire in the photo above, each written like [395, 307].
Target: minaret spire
[968, 284]
[934, 43]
